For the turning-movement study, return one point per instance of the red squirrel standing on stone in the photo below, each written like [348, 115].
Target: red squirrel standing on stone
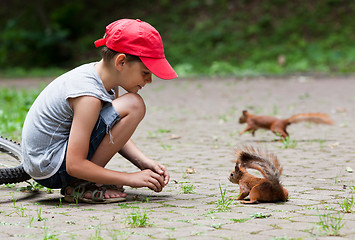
[267, 189]
[278, 126]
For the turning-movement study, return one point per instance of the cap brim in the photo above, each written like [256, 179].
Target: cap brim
[160, 67]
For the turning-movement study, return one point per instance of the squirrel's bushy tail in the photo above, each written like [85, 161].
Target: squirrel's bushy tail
[261, 160]
[310, 117]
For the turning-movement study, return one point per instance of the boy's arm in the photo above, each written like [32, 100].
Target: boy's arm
[131, 152]
[86, 111]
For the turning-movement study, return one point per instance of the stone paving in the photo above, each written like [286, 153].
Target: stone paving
[191, 127]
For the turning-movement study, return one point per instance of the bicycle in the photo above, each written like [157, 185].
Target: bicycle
[11, 168]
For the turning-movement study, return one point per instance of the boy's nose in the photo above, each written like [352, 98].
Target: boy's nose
[149, 78]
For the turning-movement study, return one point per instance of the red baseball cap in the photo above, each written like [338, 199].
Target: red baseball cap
[140, 39]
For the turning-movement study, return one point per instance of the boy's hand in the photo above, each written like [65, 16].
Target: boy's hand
[162, 170]
[158, 168]
[148, 178]
[134, 155]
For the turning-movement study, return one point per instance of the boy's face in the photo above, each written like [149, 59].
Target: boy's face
[135, 76]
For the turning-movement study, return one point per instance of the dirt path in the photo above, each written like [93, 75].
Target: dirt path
[191, 127]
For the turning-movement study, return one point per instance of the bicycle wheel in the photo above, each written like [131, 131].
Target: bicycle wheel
[11, 169]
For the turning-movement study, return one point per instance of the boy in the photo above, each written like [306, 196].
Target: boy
[78, 122]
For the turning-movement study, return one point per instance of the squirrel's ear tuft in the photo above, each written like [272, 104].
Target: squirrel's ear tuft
[245, 112]
[236, 167]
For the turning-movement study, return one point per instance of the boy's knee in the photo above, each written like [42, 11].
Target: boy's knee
[135, 102]
[130, 103]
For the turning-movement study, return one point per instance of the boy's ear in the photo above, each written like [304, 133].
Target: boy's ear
[120, 59]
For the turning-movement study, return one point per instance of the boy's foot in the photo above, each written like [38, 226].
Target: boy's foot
[93, 193]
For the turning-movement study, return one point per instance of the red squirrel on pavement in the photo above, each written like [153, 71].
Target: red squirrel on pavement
[267, 189]
[278, 126]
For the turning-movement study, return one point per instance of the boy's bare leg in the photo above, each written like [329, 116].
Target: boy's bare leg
[132, 110]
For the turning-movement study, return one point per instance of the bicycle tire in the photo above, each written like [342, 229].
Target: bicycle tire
[12, 174]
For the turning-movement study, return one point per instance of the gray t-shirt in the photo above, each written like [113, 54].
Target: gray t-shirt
[46, 128]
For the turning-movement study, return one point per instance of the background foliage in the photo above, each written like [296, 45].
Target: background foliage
[238, 37]
[14, 105]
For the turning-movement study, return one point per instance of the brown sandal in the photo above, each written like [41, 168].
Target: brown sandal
[79, 189]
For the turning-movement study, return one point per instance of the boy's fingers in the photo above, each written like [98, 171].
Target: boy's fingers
[158, 169]
[162, 170]
[158, 181]
[166, 178]
[153, 180]
[154, 185]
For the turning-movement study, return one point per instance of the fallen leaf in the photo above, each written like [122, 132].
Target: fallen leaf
[334, 145]
[190, 171]
[173, 136]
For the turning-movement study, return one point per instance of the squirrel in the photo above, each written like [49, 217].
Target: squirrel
[278, 126]
[267, 189]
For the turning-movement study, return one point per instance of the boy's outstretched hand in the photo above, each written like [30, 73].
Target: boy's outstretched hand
[157, 168]
[161, 174]
[148, 178]
[161, 170]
